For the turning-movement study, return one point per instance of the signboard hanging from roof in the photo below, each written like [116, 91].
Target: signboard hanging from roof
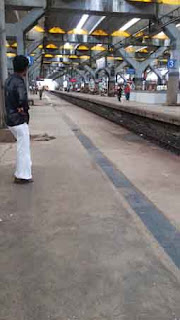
[130, 71]
[101, 63]
[171, 64]
[31, 60]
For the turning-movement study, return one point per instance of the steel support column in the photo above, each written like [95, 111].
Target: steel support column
[138, 79]
[140, 67]
[90, 70]
[153, 69]
[111, 86]
[3, 60]
[20, 42]
[173, 81]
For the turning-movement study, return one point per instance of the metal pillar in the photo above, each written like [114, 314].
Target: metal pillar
[173, 81]
[3, 60]
[20, 43]
[138, 79]
[140, 67]
[111, 86]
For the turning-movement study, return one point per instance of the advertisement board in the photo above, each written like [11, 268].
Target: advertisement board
[101, 63]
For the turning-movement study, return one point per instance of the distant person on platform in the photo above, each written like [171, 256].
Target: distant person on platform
[119, 93]
[127, 91]
[17, 118]
[41, 89]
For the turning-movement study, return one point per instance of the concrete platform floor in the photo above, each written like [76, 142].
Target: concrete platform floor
[157, 111]
[70, 245]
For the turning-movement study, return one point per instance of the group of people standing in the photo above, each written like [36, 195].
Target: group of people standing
[126, 89]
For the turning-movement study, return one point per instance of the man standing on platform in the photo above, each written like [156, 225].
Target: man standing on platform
[127, 91]
[17, 118]
[119, 93]
[41, 89]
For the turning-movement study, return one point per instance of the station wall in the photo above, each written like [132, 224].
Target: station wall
[150, 97]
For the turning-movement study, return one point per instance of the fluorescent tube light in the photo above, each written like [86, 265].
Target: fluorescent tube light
[129, 24]
[141, 48]
[82, 21]
[97, 23]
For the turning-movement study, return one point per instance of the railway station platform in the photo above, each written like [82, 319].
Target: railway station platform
[96, 236]
[158, 111]
[157, 122]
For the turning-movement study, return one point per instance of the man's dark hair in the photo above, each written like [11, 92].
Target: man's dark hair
[20, 63]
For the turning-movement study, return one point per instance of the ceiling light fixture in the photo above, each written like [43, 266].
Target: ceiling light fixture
[82, 21]
[161, 35]
[142, 48]
[67, 46]
[129, 24]
[96, 24]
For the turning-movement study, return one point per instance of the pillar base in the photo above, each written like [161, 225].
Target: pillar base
[138, 83]
[171, 105]
[86, 88]
[96, 89]
[172, 91]
[111, 89]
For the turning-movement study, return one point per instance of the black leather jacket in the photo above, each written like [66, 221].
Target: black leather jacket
[15, 98]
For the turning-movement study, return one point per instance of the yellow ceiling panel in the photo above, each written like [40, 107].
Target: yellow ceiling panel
[84, 57]
[161, 36]
[51, 46]
[47, 55]
[163, 60]
[130, 49]
[14, 45]
[142, 1]
[77, 31]
[38, 29]
[67, 46]
[139, 34]
[98, 48]
[10, 54]
[56, 30]
[99, 33]
[73, 57]
[118, 58]
[120, 33]
[143, 51]
[81, 47]
[169, 2]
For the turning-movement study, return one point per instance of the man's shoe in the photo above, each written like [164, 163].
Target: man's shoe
[22, 181]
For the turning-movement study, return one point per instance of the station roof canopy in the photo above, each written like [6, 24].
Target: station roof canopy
[69, 29]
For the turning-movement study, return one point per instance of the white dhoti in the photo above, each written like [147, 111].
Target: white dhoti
[23, 162]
